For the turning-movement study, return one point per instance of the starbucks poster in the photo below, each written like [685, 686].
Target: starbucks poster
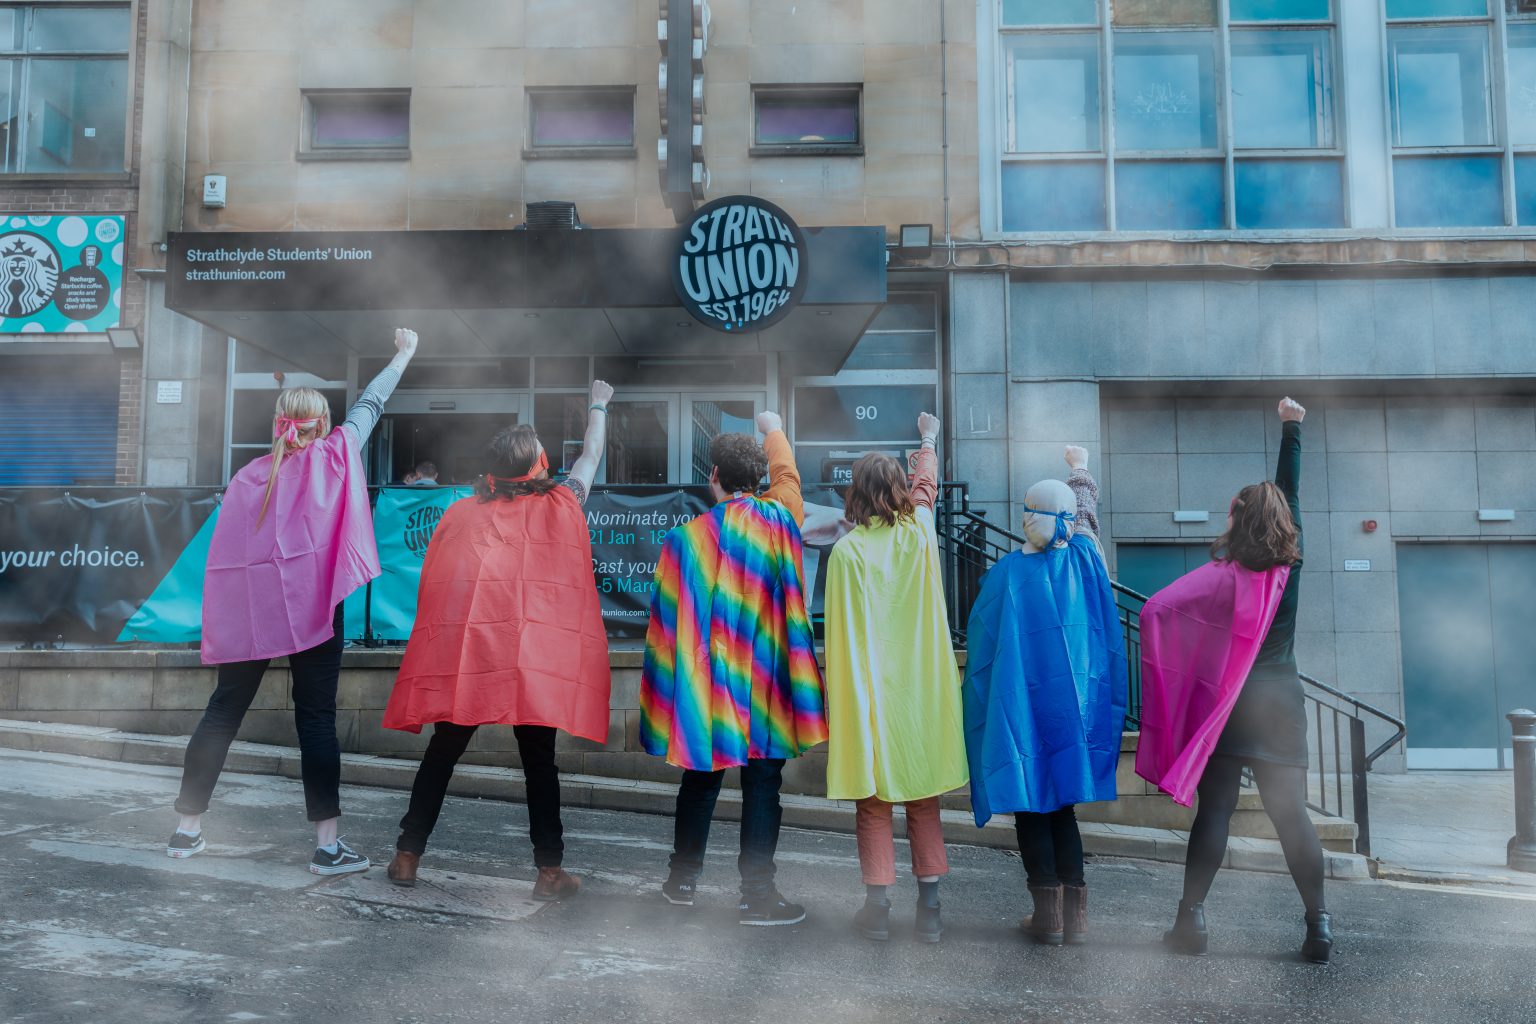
[60, 274]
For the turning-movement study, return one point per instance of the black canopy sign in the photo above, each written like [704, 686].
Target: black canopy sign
[740, 264]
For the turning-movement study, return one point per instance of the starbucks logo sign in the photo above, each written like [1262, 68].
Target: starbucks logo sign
[29, 273]
[740, 264]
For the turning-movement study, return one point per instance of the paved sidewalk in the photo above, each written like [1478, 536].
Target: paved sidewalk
[1157, 844]
[1444, 826]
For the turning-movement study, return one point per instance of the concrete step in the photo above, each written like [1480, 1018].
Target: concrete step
[494, 783]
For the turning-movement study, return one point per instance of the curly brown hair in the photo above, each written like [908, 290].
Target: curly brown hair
[879, 493]
[512, 452]
[1261, 533]
[739, 461]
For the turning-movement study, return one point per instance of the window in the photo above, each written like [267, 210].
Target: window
[348, 124]
[63, 89]
[581, 122]
[820, 120]
[1159, 157]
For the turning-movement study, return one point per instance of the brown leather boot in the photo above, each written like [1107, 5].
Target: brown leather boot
[402, 869]
[1074, 916]
[554, 884]
[1045, 924]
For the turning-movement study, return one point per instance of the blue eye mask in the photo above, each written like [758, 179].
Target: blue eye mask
[1061, 533]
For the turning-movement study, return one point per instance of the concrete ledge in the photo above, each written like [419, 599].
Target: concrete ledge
[650, 797]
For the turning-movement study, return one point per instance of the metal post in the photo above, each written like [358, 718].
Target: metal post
[1522, 845]
[1357, 783]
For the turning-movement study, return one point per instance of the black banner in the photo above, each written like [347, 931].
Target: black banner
[76, 564]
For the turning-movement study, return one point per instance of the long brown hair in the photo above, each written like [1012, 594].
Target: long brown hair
[1261, 533]
[512, 452]
[879, 492]
[294, 404]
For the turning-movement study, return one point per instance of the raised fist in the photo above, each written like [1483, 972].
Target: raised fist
[1076, 456]
[1291, 411]
[927, 425]
[405, 341]
[601, 392]
[768, 422]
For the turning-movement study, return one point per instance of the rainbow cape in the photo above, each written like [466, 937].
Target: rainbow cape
[730, 663]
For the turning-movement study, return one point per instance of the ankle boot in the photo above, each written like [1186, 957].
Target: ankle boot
[1074, 915]
[1188, 934]
[554, 884]
[930, 927]
[1319, 945]
[1045, 924]
[873, 921]
[402, 869]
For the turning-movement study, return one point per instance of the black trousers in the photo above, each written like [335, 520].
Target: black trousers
[761, 814]
[536, 748]
[315, 673]
[1283, 790]
[1051, 846]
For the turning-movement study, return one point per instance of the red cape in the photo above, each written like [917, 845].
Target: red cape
[508, 628]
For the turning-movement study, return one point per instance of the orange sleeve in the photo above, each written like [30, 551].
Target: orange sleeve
[924, 469]
[783, 477]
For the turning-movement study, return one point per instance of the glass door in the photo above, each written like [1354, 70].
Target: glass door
[663, 438]
[707, 417]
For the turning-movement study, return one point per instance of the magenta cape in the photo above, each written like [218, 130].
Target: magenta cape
[272, 590]
[1199, 638]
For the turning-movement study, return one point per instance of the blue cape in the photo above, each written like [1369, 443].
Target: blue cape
[1045, 683]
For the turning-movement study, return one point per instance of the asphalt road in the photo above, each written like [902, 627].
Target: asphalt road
[97, 925]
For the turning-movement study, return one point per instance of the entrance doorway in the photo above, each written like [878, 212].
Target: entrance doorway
[660, 438]
[1467, 649]
[448, 429]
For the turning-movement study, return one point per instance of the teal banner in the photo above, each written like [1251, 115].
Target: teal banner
[63, 274]
[404, 519]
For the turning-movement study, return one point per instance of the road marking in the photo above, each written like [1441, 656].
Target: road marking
[264, 875]
[586, 965]
[1465, 890]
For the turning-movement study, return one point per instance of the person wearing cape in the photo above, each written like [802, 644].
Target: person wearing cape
[893, 691]
[508, 631]
[1045, 694]
[294, 537]
[730, 676]
[1220, 691]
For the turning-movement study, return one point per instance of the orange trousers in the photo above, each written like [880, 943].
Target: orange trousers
[877, 847]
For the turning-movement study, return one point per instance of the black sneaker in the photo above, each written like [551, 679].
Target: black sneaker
[182, 846]
[770, 909]
[679, 891]
[343, 862]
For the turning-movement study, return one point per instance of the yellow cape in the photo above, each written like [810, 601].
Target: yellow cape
[893, 691]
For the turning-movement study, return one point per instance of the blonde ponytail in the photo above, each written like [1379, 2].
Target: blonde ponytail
[295, 405]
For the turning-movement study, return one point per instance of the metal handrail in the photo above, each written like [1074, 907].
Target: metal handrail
[973, 543]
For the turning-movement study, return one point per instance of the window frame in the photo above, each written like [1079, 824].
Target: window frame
[128, 54]
[808, 90]
[996, 110]
[307, 150]
[616, 151]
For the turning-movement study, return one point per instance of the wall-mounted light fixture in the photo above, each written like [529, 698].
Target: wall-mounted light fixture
[1495, 515]
[1186, 515]
[915, 239]
[123, 337]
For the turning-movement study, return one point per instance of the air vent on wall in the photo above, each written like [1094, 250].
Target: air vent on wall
[555, 215]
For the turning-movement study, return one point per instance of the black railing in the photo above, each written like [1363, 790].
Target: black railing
[1339, 726]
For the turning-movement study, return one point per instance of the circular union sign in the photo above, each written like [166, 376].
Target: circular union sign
[740, 264]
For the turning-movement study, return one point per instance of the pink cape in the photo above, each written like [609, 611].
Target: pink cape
[1199, 638]
[272, 590]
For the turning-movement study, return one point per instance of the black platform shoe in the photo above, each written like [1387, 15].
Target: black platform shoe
[1319, 945]
[1188, 934]
[873, 921]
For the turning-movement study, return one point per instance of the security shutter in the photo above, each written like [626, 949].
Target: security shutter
[58, 421]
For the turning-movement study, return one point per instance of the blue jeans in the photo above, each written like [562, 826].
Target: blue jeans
[760, 817]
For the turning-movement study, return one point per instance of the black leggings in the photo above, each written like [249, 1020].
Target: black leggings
[1283, 790]
[1051, 846]
[536, 750]
[315, 673]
